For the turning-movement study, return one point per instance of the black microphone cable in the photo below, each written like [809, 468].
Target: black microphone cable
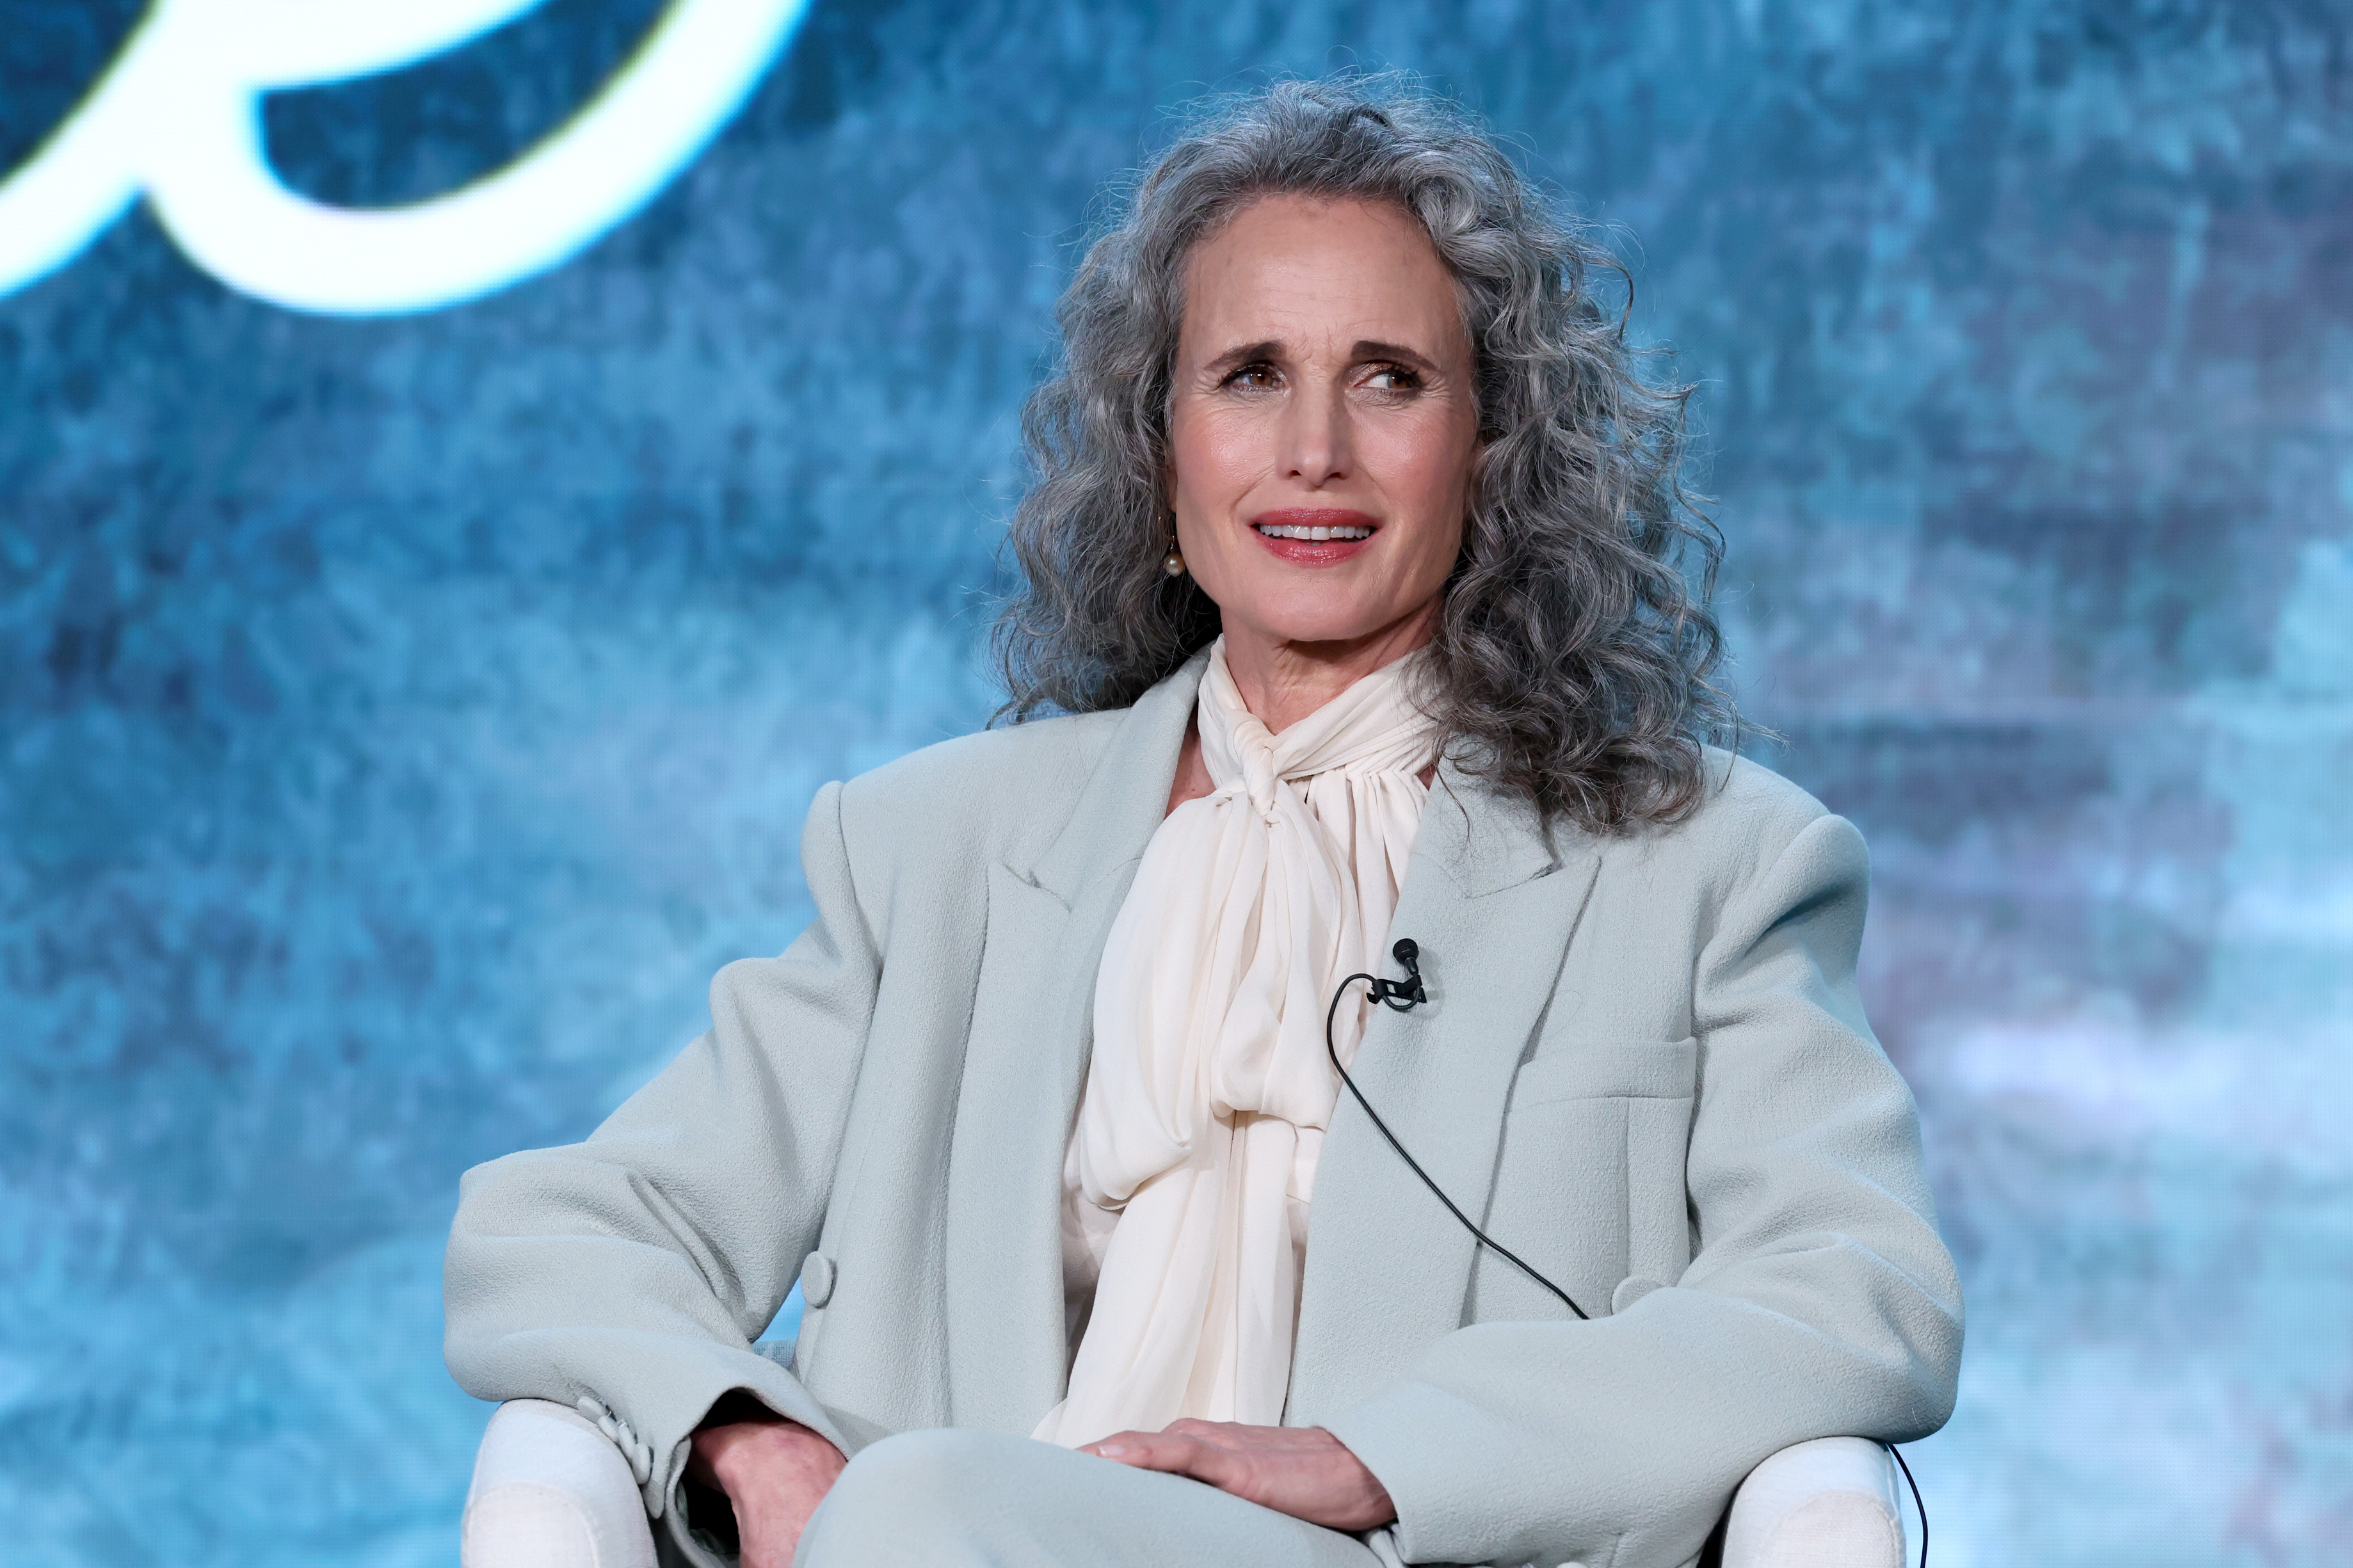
[1404, 996]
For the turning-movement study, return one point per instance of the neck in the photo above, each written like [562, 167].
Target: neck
[1283, 681]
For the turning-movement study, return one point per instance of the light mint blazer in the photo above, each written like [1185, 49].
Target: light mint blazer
[1644, 1066]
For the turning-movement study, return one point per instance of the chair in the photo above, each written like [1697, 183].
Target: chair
[1830, 1503]
[552, 1491]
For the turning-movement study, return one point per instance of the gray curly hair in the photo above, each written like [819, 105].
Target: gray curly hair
[1571, 661]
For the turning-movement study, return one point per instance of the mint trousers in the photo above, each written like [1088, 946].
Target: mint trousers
[956, 1499]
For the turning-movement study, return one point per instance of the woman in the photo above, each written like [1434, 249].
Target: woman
[1352, 568]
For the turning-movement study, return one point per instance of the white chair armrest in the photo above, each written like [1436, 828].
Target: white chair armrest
[551, 1492]
[1830, 1503]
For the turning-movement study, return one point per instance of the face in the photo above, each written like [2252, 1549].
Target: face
[1322, 424]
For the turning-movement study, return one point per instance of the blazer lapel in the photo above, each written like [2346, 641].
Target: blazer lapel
[1492, 908]
[1032, 1027]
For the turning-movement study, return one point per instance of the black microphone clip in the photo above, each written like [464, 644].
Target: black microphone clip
[1403, 995]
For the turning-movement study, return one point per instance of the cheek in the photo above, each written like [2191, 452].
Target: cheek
[1424, 469]
[1432, 461]
[1214, 453]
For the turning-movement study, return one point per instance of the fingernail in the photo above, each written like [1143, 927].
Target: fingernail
[1108, 1449]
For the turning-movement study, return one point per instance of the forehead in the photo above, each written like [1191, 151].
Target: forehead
[1311, 273]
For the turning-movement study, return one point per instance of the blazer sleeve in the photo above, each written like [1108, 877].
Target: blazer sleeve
[1821, 1301]
[635, 1269]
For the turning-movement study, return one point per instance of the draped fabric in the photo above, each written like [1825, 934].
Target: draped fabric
[1189, 1173]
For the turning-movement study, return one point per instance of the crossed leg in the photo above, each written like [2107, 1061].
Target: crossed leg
[958, 1499]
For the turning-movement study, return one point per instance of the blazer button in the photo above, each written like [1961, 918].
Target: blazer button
[816, 1279]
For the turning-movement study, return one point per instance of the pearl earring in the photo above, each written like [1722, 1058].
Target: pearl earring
[1173, 563]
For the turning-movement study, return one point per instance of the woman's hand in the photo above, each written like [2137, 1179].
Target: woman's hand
[1303, 1472]
[775, 1473]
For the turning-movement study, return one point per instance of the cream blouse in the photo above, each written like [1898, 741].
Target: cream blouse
[1189, 1175]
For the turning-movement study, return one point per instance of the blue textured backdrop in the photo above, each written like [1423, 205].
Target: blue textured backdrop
[402, 718]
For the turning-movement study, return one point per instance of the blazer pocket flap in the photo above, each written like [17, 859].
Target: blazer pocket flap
[1609, 1070]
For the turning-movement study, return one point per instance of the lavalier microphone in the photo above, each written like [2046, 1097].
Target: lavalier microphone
[1404, 996]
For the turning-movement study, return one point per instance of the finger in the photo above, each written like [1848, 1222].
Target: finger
[1214, 1464]
[1186, 1454]
[1126, 1447]
[1193, 1427]
[1149, 1451]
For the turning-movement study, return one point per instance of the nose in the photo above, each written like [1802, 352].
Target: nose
[1315, 438]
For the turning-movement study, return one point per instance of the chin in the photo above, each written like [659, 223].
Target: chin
[1324, 623]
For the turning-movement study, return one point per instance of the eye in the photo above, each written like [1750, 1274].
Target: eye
[1256, 375]
[1393, 378]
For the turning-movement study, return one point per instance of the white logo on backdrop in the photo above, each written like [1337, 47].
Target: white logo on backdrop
[177, 118]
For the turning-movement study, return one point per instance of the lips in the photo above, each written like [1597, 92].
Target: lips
[1314, 536]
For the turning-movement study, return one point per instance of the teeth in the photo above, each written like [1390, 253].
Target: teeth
[1295, 530]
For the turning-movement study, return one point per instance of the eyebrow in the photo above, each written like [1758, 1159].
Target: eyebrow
[1365, 349]
[1247, 353]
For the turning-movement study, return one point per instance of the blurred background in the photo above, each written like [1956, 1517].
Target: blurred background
[402, 715]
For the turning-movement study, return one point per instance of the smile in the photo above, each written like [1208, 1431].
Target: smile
[1297, 531]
